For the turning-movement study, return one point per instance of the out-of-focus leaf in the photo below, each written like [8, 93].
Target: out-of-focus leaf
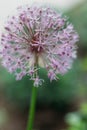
[78, 16]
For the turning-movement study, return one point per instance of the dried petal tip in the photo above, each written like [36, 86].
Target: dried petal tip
[38, 36]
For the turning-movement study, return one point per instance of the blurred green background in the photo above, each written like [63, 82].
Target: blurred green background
[67, 96]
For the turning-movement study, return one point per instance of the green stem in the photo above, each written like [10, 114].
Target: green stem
[32, 109]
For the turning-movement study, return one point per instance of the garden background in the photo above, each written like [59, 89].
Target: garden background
[60, 105]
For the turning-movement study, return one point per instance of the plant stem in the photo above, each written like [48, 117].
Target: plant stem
[32, 109]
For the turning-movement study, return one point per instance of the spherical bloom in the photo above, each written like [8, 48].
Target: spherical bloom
[38, 37]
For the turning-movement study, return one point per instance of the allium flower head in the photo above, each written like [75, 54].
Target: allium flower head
[38, 37]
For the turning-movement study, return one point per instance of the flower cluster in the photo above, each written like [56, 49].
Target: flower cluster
[38, 37]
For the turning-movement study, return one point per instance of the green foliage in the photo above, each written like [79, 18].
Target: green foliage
[78, 120]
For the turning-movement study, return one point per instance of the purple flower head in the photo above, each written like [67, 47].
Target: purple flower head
[38, 37]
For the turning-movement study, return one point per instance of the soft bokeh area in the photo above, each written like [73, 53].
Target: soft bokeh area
[61, 105]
